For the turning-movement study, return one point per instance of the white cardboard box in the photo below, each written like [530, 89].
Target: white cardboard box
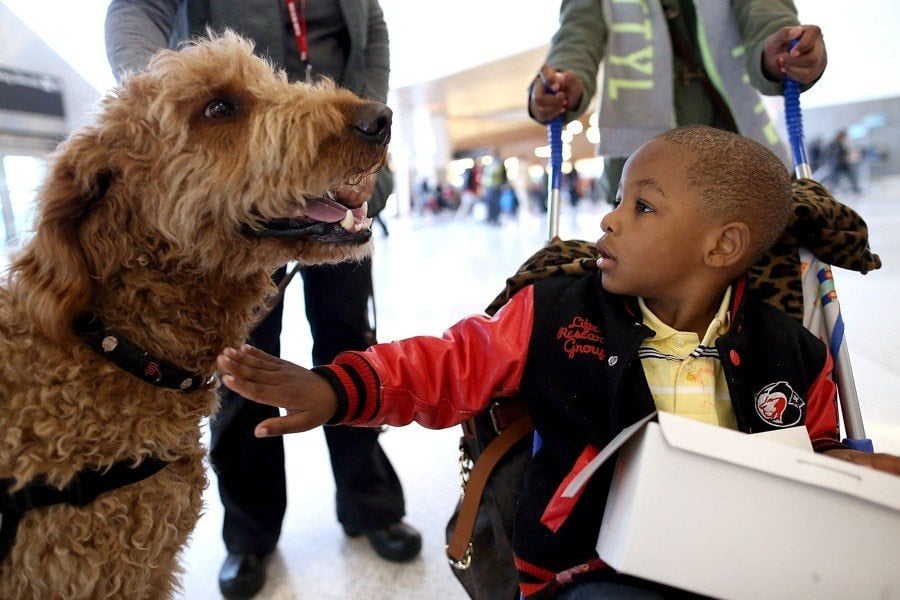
[734, 516]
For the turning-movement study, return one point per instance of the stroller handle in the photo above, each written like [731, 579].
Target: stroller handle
[834, 323]
[554, 141]
[794, 121]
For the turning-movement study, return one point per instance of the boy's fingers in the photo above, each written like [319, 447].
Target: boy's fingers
[886, 462]
[291, 423]
[253, 390]
[231, 359]
[878, 460]
[242, 371]
[264, 358]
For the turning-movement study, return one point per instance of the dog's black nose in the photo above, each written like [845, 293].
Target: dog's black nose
[373, 122]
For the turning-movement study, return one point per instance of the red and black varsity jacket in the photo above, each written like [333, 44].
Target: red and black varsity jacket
[570, 349]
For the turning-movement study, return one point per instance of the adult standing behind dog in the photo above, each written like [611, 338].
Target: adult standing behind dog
[673, 62]
[347, 41]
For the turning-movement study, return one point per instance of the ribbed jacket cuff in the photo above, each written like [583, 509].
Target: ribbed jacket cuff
[339, 390]
[357, 387]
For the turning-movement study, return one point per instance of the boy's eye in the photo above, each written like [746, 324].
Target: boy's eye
[617, 202]
[642, 207]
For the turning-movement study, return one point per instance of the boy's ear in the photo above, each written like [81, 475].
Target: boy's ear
[730, 245]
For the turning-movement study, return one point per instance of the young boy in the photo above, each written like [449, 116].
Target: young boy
[669, 311]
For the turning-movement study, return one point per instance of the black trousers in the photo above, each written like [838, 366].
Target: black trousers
[251, 471]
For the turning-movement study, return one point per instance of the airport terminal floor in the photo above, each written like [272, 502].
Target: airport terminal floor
[430, 272]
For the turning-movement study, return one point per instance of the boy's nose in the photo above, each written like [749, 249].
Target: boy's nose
[606, 222]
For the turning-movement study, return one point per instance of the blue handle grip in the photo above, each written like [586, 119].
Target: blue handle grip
[794, 118]
[554, 140]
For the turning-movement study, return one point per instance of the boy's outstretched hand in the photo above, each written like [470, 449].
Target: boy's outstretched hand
[309, 398]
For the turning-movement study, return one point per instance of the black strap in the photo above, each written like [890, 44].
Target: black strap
[112, 345]
[9, 523]
[278, 297]
[82, 490]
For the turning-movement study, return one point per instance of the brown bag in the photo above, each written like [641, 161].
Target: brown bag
[495, 451]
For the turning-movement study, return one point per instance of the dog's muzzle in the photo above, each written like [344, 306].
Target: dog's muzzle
[373, 123]
[293, 229]
[322, 219]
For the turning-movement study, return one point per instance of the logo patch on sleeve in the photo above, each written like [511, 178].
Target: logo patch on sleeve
[779, 405]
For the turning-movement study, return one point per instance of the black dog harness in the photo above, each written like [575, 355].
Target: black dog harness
[90, 483]
[81, 491]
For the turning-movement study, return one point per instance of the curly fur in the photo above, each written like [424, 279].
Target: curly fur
[139, 221]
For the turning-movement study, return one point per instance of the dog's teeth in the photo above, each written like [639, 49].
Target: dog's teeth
[347, 221]
[362, 225]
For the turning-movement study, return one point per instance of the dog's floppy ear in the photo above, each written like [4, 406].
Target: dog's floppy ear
[50, 273]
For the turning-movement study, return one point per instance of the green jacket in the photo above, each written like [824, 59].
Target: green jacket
[581, 44]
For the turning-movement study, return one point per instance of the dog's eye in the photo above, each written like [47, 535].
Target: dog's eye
[219, 109]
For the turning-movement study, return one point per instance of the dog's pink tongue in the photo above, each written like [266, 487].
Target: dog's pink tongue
[324, 210]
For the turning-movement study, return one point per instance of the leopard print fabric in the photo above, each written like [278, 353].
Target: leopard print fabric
[833, 232]
[558, 257]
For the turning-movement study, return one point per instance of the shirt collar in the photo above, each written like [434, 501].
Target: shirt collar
[718, 326]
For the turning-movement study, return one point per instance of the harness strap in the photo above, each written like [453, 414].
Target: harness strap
[82, 490]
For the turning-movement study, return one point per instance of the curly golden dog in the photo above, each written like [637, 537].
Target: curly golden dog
[157, 229]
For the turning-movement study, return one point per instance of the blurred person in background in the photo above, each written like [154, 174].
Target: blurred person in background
[843, 160]
[493, 177]
[468, 193]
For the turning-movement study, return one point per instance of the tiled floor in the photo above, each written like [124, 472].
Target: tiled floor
[429, 273]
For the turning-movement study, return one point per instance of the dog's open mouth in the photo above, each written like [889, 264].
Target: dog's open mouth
[323, 219]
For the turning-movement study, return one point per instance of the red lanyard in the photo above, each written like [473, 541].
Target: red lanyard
[299, 23]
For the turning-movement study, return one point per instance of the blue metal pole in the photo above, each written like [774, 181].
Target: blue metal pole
[834, 322]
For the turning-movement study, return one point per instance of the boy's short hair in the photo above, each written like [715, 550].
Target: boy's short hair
[738, 179]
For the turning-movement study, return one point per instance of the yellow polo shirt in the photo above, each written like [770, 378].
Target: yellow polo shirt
[684, 372]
